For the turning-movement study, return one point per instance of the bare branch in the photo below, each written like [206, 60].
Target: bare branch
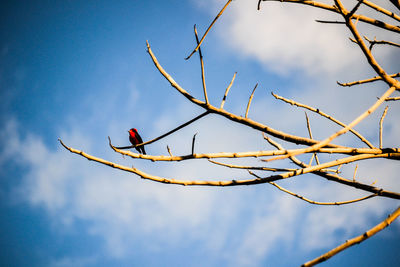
[321, 203]
[374, 42]
[340, 132]
[379, 227]
[382, 10]
[227, 91]
[310, 134]
[392, 98]
[355, 172]
[250, 98]
[164, 135]
[194, 139]
[203, 79]
[371, 60]
[380, 126]
[318, 111]
[376, 78]
[337, 178]
[169, 151]
[330, 21]
[271, 178]
[392, 153]
[176, 181]
[351, 13]
[230, 116]
[335, 9]
[209, 28]
[251, 167]
[396, 3]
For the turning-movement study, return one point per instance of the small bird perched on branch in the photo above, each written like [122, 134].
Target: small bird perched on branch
[135, 139]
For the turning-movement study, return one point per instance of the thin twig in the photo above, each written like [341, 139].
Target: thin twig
[355, 172]
[381, 126]
[250, 99]
[203, 79]
[353, 11]
[340, 132]
[393, 98]
[169, 151]
[376, 78]
[374, 42]
[227, 91]
[251, 167]
[323, 114]
[356, 240]
[382, 10]
[166, 134]
[310, 134]
[321, 203]
[330, 21]
[194, 139]
[209, 28]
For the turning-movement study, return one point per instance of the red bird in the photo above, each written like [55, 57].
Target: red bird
[135, 139]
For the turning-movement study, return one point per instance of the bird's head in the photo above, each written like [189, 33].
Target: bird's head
[133, 130]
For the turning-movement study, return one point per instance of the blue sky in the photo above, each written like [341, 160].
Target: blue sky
[80, 71]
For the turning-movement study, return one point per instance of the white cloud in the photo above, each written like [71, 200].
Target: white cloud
[285, 38]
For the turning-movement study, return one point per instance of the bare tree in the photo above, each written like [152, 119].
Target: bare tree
[330, 170]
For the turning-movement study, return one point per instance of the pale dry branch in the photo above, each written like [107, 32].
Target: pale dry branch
[382, 10]
[379, 227]
[311, 159]
[250, 99]
[209, 28]
[203, 79]
[227, 91]
[311, 136]
[376, 78]
[374, 42]
[323, 114]
[270, 178]
[335, 9]
[332, 163]
[392, 153]
[392, 98]
[230, 116]
[258, 168]
[381, 126]
[169, 151]
[355, 172]
[340, 132]
[367, 53]
[321, 203]
[173, 181]
[353, 11]
[337, 178]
